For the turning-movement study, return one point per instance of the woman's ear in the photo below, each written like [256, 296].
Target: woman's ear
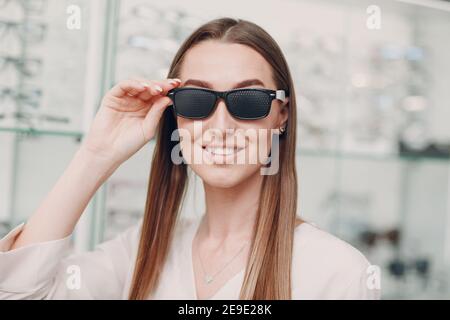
[284, 113]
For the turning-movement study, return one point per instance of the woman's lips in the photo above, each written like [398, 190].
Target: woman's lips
[220, 155]
[222, 151]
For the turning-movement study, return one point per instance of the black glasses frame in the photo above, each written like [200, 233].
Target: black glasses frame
[273, 94]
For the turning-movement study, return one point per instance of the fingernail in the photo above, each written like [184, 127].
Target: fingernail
[145, 84]
[176, 79]
[158, 88]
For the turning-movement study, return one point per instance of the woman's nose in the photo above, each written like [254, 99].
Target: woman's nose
[221, 118]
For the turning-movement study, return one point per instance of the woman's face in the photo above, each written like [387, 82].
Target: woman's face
[224, 66]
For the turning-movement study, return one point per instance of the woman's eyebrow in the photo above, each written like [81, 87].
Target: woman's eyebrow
[205, 84]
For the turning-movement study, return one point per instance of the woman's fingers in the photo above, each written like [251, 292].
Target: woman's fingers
[135, 87]
[151, 89]
[139, 92]
[162, 87]
[128, 87]
[151, 120]
[169, 84]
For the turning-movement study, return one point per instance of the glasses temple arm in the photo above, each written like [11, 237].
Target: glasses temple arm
[281, 95]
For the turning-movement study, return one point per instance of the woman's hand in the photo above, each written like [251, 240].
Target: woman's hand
[127, 119]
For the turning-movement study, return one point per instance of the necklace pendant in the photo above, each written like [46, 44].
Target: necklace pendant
[208, 279]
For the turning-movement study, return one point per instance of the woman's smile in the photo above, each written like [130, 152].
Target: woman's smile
[222, 154]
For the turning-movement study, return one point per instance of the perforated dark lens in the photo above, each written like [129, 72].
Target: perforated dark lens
[245, 104]
[249, 104]
[194, 103]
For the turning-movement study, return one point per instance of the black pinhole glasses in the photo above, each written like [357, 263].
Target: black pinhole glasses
[244, 104]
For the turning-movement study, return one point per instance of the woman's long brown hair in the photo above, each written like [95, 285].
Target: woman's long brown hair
[268, 271]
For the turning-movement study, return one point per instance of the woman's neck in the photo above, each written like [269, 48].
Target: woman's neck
[231, 212]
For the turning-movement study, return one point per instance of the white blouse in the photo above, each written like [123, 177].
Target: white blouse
[323, 267]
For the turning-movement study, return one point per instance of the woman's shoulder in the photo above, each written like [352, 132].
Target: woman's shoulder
[131, 235]
[326, 266]
[311, 239]
[126, 243]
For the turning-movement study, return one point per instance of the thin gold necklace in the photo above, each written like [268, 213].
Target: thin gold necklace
[208, 278]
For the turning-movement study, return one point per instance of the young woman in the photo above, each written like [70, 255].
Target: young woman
[249, 244]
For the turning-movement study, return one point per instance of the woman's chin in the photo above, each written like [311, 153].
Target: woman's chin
[224, 176]
[221, 178]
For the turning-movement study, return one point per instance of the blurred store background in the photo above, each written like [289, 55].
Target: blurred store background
[374, 115]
